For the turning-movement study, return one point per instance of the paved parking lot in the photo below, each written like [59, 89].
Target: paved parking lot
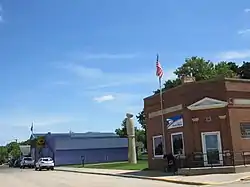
[10, 177]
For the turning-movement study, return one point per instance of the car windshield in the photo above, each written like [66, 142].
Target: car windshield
[28, 158]
[47, 159]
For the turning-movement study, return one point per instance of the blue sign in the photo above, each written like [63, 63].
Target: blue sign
[174, 122]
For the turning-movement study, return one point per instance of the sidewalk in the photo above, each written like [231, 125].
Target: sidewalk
[213, 179]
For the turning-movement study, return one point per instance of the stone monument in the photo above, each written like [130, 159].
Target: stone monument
[131, 139]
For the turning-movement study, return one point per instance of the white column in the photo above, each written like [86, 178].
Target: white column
[131, 139]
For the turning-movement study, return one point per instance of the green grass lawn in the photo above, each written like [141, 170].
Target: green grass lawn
[141, 165]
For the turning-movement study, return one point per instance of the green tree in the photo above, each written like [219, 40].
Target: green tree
[11, 145]
[169, 84]
[142, 121]
[3, 154]
[244, 70]
[204, 70]
[122, 132]
[27, 142]
[234, 67]
[197, 67]
[140, 135]
[15, 153]
[13, 149]
[224, 69]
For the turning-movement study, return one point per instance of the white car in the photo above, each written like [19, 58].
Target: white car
[45, 163]
[27, 162]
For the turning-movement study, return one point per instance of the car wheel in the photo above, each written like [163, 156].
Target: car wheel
[36, 168]
[52, 168]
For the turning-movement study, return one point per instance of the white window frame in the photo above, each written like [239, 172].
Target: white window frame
[172, 143]
[158, 136]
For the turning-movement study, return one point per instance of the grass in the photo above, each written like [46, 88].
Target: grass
[141, 165]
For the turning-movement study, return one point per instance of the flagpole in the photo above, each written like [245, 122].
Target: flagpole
[162, 119]
[159, 74]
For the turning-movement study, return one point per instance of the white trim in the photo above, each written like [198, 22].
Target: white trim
[172, 145]
[238, 101]
[165, 111]
[202, 107]
[157, 156]
[204, 150]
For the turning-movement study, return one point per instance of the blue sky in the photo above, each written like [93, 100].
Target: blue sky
[81, 65]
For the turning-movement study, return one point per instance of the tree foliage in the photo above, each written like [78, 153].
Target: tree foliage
[13, 149]
[139, 133]
[3, 154]
[202, 69]
[244, 70]
[141, 119]
[122, 132]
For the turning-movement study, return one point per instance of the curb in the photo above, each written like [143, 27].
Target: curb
[141, 177]
[245, 178]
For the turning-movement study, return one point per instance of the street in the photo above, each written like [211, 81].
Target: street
[10, 177]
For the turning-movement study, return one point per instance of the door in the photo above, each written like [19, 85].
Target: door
[211, 145]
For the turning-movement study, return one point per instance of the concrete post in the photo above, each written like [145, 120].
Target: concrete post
[131, 139]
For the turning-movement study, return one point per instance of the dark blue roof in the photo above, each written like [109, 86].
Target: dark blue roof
[77, 135]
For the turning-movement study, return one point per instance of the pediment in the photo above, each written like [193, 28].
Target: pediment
[207, 103]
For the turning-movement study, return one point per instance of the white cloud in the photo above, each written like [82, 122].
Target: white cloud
[104, 98]
[60, 83]
[98, 79]
[247, 10]
[101, 56]
[245, 31]
[108, 56]
[234, 55]
[122, 102]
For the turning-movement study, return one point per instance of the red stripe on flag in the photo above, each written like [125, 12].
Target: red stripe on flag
[159, 70]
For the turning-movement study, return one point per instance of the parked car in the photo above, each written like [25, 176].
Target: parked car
[16, 163]
[45, 163]
[27, 162]
[11, 162]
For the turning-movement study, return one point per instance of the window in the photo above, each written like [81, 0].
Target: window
[157, 146]
[27, 158]
[245, 130]
[177, 143]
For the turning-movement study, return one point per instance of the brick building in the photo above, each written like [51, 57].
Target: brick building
[209, 120]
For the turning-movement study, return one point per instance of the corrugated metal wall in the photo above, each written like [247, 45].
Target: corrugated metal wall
[64, 157]
[66, 143]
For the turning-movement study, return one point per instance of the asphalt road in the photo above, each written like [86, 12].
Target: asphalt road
[10, 177]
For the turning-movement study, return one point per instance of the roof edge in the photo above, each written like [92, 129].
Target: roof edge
[189, 83]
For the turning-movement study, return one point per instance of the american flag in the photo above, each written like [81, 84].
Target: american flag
[159, 70]
[31, 128]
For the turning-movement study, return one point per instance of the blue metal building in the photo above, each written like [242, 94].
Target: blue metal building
[71, 148]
